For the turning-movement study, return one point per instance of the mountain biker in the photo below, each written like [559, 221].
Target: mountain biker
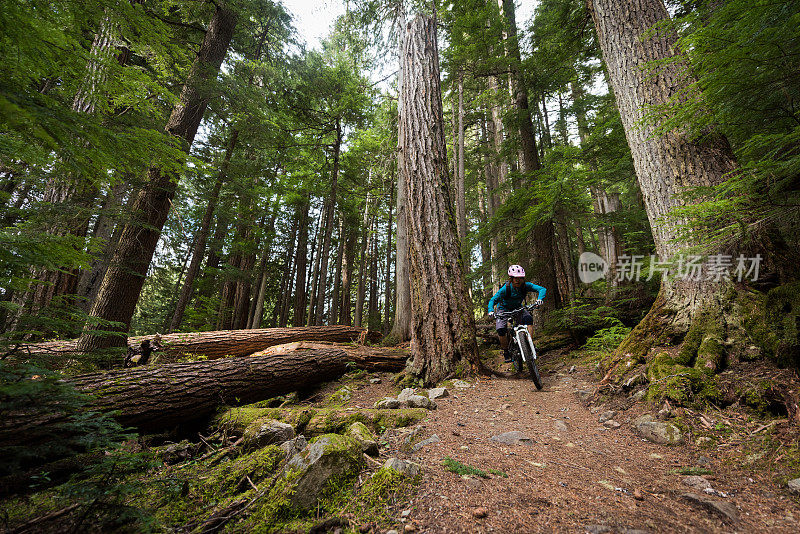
[510, 297]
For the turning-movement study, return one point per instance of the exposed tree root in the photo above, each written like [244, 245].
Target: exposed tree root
[682, 353]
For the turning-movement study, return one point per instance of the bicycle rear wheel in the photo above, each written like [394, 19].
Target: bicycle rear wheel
[530, 359]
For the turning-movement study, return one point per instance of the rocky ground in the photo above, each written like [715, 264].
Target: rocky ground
[557, 460]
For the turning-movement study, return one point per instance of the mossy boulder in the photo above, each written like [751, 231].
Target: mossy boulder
[266, 431]
[340, 397]
[328, 463]
[658, 432]
[359, 432]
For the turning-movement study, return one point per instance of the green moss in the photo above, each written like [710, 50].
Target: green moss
[710, 355]
[783, 314]
[454, 466]
[384, 488]
[258, 465]
[340, 397]
[238, 419]
[670, 380]
[274, 512]
[691, 343]
[181, 495]
[332, 421]
[753, 395]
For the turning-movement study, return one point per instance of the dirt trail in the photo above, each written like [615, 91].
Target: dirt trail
[574, 475]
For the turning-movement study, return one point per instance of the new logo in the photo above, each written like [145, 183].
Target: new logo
[591, 267]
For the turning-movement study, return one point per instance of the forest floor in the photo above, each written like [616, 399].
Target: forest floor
[577, 475]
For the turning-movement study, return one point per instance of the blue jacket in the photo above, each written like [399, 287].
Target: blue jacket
[509, 298]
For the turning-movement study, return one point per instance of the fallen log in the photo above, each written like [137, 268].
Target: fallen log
[369, 358]
[220, 343]
[162, 396]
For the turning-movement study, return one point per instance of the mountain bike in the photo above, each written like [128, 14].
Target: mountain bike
[521, 345]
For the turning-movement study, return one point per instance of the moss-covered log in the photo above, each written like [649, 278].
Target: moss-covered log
[318, 421]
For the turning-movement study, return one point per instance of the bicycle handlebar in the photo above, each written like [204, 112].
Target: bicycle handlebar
[509, 314]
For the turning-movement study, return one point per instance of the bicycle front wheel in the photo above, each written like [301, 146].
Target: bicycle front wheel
[516, 359]
[529, 354]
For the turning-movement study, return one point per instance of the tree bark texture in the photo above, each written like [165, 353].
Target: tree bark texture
[361, 291]
[124, 279]
[374, 315]
[106, 231]
[312, 291]
[387, 301]
[665, 164]
[443, 331]
[69, 195]
[336, 299]
[158, 397]
[401, 328]
[370, 358]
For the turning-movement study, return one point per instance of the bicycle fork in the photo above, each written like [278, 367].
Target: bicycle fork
[522, 335]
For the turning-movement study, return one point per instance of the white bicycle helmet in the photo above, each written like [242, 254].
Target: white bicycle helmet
[516, 270]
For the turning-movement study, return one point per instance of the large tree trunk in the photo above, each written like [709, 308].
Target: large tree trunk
[202, 234]
[374, 316]
[124, 279]
[492, 203]
[361, 286]
[346, 305]
[330, 220]
[666, 164]
[530, 156]
[401, 329]
[106, 231]
[301, 259]
[387, 301]
[443, 331]
[71, 197]
[312, 291]
[336, 299]
[365, 357]
[461, 200]
[163, 396]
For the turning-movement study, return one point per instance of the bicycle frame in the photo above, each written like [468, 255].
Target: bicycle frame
[521, 335]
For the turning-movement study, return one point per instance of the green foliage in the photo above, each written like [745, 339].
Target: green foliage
[607, 339]
[454, 466]
[55, 420]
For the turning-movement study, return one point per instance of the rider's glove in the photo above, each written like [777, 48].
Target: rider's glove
[539, 302]
[491, 314]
